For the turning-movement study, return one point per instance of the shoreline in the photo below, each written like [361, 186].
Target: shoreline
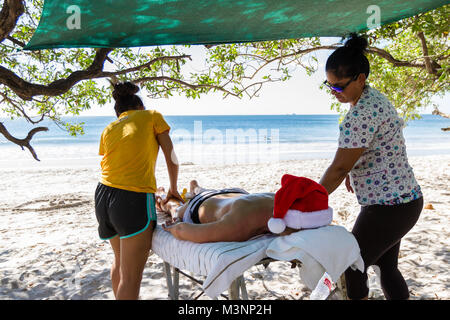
[27, 162]
[50, 247]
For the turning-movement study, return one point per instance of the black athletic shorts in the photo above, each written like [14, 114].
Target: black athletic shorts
[122, 212]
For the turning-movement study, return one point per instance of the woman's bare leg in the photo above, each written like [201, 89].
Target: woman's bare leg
[134, 252]
[115, 269]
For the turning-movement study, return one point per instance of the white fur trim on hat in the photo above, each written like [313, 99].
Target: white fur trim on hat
[307, 220]
[276, 225]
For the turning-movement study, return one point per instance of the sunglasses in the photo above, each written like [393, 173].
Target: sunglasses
[339, 88]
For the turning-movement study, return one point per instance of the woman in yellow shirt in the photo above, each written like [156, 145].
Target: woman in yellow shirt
[124, 198]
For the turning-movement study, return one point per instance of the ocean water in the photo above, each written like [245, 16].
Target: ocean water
[218, 139]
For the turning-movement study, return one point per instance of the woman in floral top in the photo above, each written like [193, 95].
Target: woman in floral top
[372, 159]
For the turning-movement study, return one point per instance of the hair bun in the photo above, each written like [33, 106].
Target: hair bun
[124, 89]
[357, 43]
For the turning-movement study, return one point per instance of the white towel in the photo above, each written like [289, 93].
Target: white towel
[220, 262]
[332, 249]
[232, 263]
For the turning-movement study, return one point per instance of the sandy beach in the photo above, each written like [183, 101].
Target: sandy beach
[49, 245]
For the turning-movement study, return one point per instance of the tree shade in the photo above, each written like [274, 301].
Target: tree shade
[136, 23]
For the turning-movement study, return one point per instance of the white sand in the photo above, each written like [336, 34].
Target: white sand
[49, 246]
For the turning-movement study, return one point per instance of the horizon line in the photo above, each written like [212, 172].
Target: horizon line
[259, 114]
[202, 115]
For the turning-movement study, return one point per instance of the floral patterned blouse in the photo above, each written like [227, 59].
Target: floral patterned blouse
[382, 175]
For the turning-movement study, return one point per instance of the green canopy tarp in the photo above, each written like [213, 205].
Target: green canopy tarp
[132, 23]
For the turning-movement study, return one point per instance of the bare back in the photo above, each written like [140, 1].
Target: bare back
[239, 216]
[214, 208]
[228, 217]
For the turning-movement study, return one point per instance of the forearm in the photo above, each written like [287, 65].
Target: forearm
[207, 232]
[189, 232]
[343, 162]
[332, 178]
[172, 169]
[171, 158]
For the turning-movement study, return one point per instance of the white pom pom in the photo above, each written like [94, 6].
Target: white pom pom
[276, 225]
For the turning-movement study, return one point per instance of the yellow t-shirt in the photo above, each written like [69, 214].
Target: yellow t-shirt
[129, 149]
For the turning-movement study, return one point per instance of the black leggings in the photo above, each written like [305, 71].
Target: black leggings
[378, 230]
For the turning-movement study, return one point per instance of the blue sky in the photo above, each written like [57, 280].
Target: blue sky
[300, 95]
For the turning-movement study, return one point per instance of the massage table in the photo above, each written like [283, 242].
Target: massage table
[332, 249]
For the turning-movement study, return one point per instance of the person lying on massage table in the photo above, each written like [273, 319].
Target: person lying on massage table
[220, 215]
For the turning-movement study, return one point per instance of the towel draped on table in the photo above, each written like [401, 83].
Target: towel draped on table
[220, 262]
[332, 249]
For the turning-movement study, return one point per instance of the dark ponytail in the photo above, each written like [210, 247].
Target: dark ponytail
[126, 98]
[349, 60]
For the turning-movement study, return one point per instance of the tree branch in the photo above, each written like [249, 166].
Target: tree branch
[11, 11]
[429, 65]
[23, 142]
[15, 41]
[374, 50]
[186, 84]
[397, 63]
[26, 90]
[436, 111]
[19, 108]
[142, 66]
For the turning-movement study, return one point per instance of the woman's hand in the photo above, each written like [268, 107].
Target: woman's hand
[172, 195]
[348, 185]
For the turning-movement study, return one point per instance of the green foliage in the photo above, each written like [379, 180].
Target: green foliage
[43, 67]
[233, 69]
[411, 89]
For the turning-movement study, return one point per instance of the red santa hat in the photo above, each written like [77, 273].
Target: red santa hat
[300, 203]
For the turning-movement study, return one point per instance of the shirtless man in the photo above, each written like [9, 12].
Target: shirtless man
[220, 215]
